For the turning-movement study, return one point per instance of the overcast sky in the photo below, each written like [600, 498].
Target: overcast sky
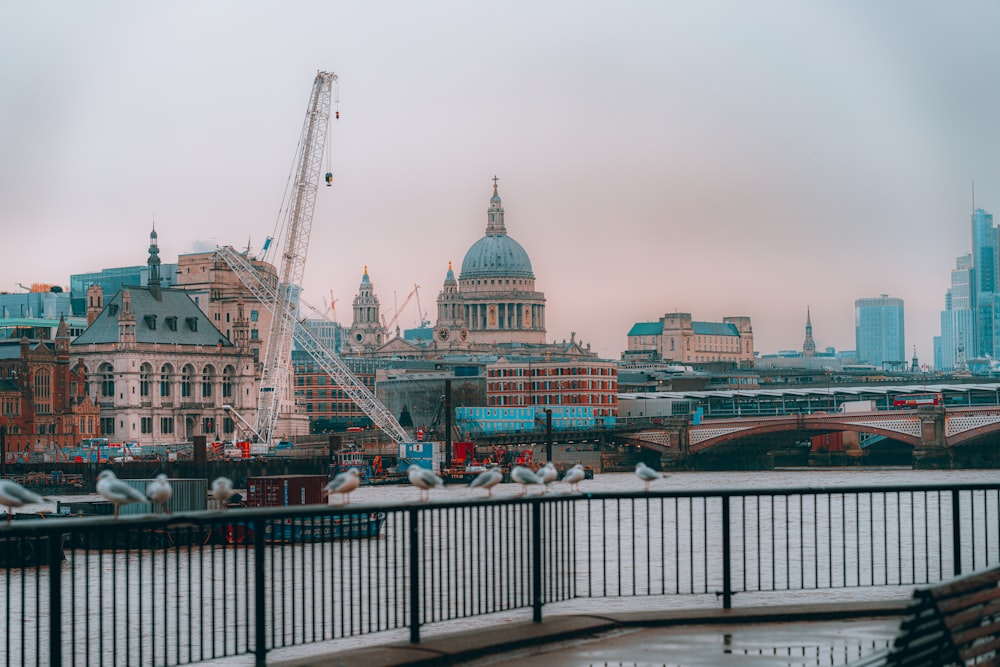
[717, 158]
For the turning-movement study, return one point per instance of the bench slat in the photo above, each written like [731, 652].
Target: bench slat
[955, 622]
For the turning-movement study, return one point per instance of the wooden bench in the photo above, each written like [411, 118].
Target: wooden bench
[956, 622]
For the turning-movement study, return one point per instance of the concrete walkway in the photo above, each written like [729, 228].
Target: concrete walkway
[830, 634]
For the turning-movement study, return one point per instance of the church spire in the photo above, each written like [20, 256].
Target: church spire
[495, 226]
[809, 346]
[154, 265]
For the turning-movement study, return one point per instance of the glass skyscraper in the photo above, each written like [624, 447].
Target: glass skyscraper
[879, 332]
[984, 286]
[958, 325]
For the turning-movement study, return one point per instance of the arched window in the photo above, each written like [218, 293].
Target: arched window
[43, 391]
[227, 381]
[207, 380]
[106, 377]
[145, 375]
[187, 375]
[166, 377]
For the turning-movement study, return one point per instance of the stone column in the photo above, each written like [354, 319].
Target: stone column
[933, 450]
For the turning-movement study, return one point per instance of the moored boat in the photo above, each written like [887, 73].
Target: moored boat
[358, 525]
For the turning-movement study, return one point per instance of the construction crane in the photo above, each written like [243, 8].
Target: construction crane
[424, 322]
[283, 300]
[388, 326]
[327, 361]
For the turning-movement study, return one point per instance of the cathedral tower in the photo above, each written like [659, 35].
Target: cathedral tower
[366, 329]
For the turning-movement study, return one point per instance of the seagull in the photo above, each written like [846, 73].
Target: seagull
[524, 477]
[159, 491]
[574, 476]
[487, 479]
[117, 492]
[424, 479]
[344, 483]
[14, 495]
[647, 474]
[222, 490]
[548, 473]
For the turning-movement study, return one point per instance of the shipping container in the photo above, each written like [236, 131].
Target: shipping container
[424, 454]
[285, 490]
[189, 495]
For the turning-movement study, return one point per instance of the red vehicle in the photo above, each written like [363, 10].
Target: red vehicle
[910, 401]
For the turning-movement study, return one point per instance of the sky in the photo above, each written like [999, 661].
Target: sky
[712, 157]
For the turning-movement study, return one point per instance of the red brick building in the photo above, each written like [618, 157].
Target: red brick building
[580, 382]
[43, 399]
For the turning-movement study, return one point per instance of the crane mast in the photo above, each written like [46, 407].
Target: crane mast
[283, 299]
[301, 205]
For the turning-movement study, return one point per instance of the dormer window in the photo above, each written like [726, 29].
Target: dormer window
[171, 322]
[150, 321]
[112, 309]
[192, 323]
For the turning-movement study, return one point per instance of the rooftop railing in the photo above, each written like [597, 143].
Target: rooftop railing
[196, 587]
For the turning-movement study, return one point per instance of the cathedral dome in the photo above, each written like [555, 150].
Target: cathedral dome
[496, 256]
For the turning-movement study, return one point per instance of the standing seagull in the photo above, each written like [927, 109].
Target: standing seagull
[159, 492]
[222, 490]
[524, 477]
[117, 492]
[574, 476]
[549, 474]
[344, 483]
[487, 480]
[425, 480]
[14, 495]
[647, 474]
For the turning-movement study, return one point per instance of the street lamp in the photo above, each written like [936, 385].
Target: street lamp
[829, 405]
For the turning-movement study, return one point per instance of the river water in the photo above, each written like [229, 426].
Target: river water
[178, 605]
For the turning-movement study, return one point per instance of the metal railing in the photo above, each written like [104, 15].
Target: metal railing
[194, 587]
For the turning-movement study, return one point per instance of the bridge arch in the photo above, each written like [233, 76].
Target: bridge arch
[709, 436]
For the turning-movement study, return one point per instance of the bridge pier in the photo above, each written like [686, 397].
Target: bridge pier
[933, 451]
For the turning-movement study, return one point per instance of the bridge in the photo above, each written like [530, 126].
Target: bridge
[937, 436]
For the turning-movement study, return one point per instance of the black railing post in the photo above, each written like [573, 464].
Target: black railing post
[536, 561]
[414, 576]
[956, 532]
[727, 575]
[55, 597]
[260, 599]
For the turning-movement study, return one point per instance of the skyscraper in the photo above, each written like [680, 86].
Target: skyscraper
[983, 293]
[879, 332]
[958, 326]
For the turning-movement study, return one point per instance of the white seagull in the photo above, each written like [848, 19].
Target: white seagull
[425, 480]
[574, 476]
[343, 483]
[647, 474]
[117, 492]
[524, 477]
[159, 491]
[14, 495]
[222, 490]
[487, 480]
[549, 474]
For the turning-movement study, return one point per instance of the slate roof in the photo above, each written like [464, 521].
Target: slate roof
[10, 349]
[646, 329]
[173, 319]
[715, 329]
